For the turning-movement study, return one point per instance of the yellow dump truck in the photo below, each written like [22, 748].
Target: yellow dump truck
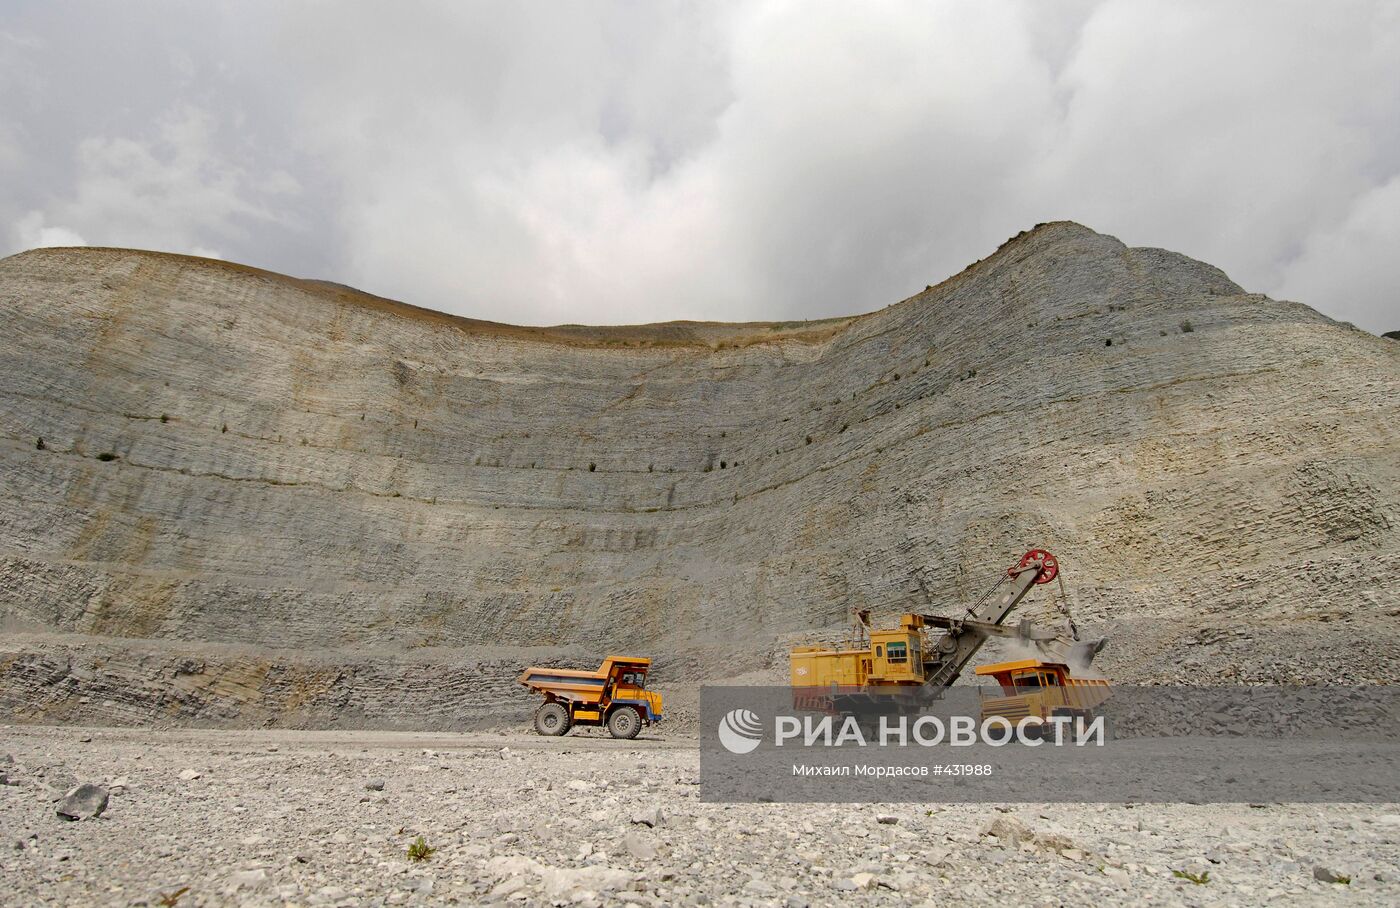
[615, 695]
[1039, 690]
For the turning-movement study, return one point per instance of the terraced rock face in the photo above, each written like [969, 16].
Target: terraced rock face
[232, 496]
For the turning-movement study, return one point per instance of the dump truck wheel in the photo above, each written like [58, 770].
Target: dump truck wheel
[625, 722]
[552, 719]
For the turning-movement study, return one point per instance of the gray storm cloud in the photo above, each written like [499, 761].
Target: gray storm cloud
[645, 161]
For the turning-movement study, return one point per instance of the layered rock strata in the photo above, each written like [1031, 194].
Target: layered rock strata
[229, 496]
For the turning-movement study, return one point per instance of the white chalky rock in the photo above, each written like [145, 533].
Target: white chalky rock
[84, 802]
[307, 484]
[639, 847]
[248, 879]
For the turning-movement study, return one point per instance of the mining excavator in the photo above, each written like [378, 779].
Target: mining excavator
[901, 670]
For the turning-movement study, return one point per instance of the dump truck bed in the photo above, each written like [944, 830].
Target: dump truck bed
[578, 685]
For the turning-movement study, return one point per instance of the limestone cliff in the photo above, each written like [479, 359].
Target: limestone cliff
[233, 496]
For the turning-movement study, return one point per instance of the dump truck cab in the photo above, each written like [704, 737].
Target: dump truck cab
[1038, 690]
[629, 687]
[614, 695]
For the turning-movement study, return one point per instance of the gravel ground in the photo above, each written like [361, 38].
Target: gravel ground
[282, 817]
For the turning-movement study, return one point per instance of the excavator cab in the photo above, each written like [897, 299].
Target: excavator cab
[897, 656]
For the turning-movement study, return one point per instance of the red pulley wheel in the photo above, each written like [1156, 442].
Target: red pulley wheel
[1050, 567]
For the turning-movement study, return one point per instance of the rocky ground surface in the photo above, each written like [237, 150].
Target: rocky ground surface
[200, 817]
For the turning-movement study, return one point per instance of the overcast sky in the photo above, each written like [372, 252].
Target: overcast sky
[613, 163]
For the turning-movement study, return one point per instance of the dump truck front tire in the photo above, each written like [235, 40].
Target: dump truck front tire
[625, 722]
[553, 719]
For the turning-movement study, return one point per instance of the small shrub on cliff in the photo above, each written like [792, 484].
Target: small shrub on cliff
[39, 445]
[1186, 327]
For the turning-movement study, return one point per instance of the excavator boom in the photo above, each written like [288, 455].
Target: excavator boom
[963, 637]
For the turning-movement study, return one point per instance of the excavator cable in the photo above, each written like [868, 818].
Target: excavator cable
[986, 597]
[1062, 605]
